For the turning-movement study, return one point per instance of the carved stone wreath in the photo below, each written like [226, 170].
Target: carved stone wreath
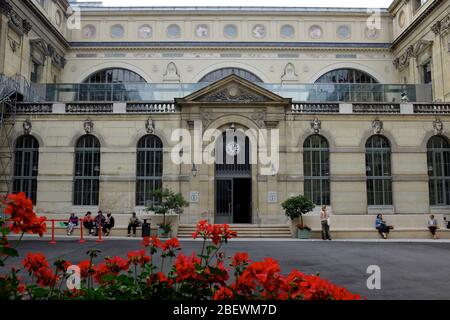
[233, 93]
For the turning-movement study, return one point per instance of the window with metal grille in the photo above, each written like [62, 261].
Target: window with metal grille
[438, 159]
[149, 169]
[87, 171]
[26, 162]
[316, 169]
[378, 171]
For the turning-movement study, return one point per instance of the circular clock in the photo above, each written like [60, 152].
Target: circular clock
[232, 148]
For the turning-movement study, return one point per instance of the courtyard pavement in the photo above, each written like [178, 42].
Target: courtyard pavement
[410, 269]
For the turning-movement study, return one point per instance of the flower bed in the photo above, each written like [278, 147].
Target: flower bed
[204, 275]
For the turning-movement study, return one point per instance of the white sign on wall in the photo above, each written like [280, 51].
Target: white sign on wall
[194, 195]
[272, 197]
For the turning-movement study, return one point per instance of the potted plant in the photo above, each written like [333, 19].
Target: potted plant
[296, 207]
[166, 201]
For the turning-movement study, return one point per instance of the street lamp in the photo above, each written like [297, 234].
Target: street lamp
[194, 170]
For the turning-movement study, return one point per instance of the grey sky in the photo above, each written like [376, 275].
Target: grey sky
[278, 3]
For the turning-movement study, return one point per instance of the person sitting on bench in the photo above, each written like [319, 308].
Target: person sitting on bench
[88, 222]
[382, 227]
[73, 222]
[99, 222]
[433, 226]
[109, 224]
[133, 224]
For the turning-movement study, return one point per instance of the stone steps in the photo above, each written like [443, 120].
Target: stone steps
[246, 231]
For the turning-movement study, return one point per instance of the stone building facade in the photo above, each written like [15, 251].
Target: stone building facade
[360, 99]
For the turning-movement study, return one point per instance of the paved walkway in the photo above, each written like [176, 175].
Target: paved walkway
[410, 269]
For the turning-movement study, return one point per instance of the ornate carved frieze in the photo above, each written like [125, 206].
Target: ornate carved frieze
[16, 22]
[41, 50]
[412, 51]
[377, 126]
[259, 118]
[88, 126]
[149, 126]
[438, 126]
[27, 126]
[233, 93]
[402, 61]
[316, 125]
[289, 73]
[171, 74]
[206, 119]
[441, 27]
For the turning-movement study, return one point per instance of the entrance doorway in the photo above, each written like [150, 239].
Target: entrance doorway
[233, 186]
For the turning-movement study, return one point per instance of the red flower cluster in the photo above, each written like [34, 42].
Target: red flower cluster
[138, 257]
[84, 268]
[111, 266]
[23, 218]
[38, 266]
[153, 242]
[217, 233]
[185, 268]
[240, 259]
[262, 280]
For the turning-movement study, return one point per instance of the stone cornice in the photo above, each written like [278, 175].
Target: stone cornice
[16, 21]
[442, 26]
[182, 45]
[44, 20]
[416, 22]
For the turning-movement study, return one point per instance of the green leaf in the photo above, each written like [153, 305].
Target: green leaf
[9, 251]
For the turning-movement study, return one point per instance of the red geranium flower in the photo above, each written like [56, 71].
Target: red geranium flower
[171, 245]
[23, 218]
[46, 277]
[100, 271]
[116, 264]
[224, 293]
[240, 259]
[138, 257]
[33, 262]
[185, 267]
[153, 242]
[84, 268]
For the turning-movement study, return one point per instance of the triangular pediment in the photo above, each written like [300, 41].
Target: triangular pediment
[233, 89]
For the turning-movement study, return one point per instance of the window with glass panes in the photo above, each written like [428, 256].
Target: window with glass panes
[378, 170]
[87, 171]
[438, 160]
[149, 169]
[26, 162]
[316, 169]
[114, 84]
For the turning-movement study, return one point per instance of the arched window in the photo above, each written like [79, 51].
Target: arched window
[26, 164]
[224, 72]
[346, 76]
[149, 168]
[114, 75]
[438, 158]
[316, 169]
[87, 171]
[114, 84]
[348, 85]
[378, 171]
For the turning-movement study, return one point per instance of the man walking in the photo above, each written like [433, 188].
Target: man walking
[324, 220]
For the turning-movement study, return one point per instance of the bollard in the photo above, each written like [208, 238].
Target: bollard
[81, 232]
[99, 233]
[53, 232]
